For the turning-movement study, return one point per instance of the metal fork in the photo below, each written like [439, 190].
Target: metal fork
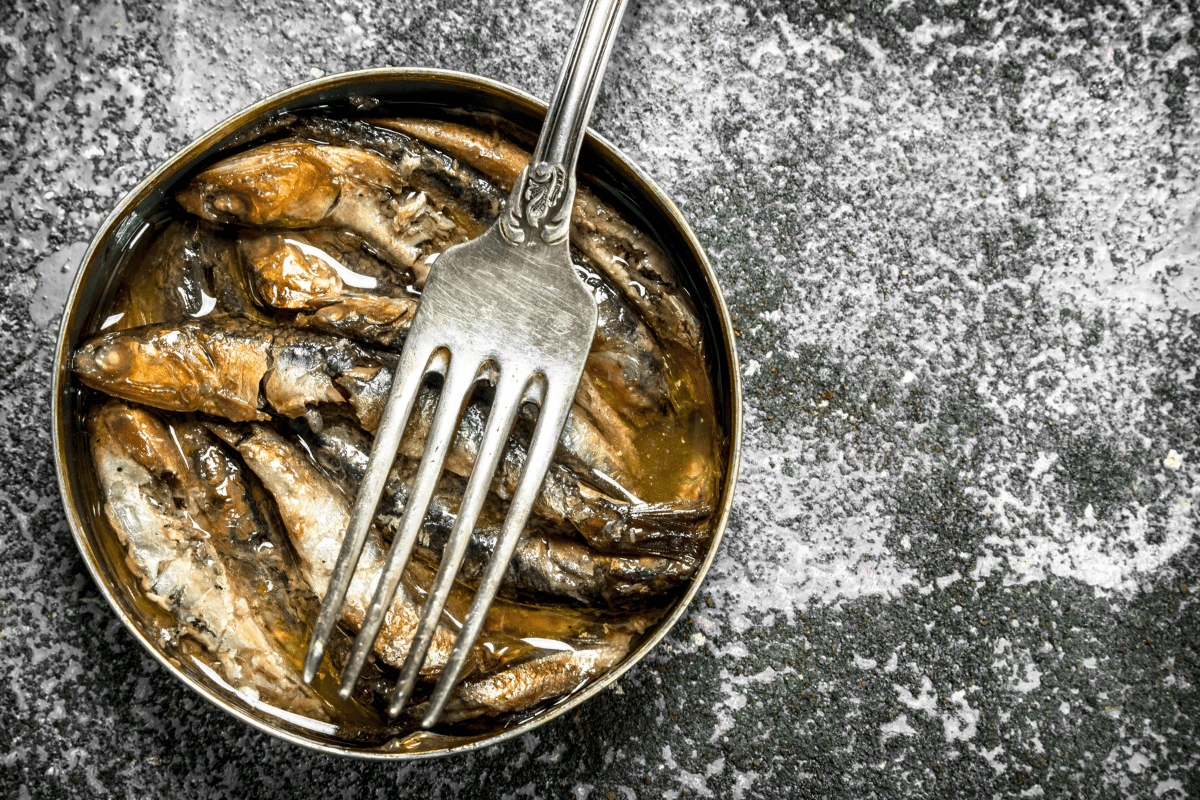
[507, 304]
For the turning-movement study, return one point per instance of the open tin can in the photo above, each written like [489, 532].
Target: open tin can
[433, 94]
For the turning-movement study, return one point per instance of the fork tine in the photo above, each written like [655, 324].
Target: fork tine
[454, 396]
[503, 414]
[410, 372]
[555, 406]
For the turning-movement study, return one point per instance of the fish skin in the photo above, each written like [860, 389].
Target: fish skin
[546, 676]
[634, 262]
[182, 559]
[545, 562]
[283, 276]
[457, 189]
[625, 362]
[287, 274]
[302, 184]
[315, 512]
[221, 367]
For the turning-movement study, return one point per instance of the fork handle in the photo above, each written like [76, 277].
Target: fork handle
[544, 193]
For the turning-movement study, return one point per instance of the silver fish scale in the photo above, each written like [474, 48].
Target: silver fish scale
[508, 303]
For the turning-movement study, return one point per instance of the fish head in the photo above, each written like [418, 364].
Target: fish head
[283, 184]
[137, 434]
[165, 368]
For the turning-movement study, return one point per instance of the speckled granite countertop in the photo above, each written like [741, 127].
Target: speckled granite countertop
[962, 242]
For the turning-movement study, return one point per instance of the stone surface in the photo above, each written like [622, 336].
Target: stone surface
[962, 242]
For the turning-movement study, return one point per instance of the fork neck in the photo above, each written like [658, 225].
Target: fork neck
[541, 200]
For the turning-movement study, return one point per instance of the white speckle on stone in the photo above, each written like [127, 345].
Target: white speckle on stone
[946, 580]
[960, 724]
[898, 726]
[992, 757]
[1137, 763]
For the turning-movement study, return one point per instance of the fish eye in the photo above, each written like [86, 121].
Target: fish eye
[114, 360]
[229, 204]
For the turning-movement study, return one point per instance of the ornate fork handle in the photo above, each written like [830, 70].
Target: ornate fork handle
[539, 208]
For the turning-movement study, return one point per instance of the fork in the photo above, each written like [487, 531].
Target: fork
[506, 306]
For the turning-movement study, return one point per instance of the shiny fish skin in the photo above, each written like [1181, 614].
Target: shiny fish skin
[301, 184]
[172, 547]
[634, 262]
[545, 561]
[459, 190]
[315, 512]
[546, 676]
[231, 368]
[299, 272]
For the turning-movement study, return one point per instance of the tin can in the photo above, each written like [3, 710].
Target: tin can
[436, 94]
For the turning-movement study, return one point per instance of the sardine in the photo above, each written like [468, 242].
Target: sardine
[633, 261]
[543, 677]
[301, 184]
[231, 368]
[306, 272]
[185, 561]
[315, 513]
[466, 196]
[546, 562]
